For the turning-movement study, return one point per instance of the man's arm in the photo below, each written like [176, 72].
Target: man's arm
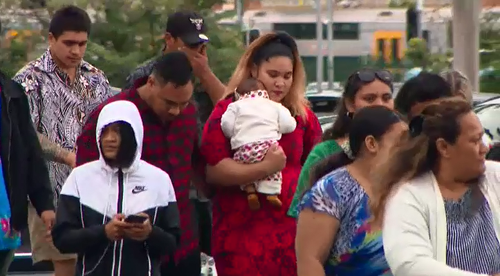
[53, 152]
[201, 69]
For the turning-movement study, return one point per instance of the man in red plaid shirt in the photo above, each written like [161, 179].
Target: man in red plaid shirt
[170, 143]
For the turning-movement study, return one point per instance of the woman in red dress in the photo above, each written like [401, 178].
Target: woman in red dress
[259, 243]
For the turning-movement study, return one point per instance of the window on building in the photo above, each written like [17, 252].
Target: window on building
[252, 34]
[297, 30]
[345, 31]
[426, 36]
[380, 48]
[395, 49]
[341, 31]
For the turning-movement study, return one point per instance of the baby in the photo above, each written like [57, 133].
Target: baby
[254, 123]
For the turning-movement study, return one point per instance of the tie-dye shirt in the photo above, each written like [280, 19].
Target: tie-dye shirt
[357, 250]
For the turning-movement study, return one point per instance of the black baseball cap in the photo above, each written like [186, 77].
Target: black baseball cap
[188, 26]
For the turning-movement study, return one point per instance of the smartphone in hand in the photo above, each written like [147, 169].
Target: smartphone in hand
[135, 219]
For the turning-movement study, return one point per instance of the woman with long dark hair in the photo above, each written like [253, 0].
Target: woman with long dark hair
[365, 87]
[334, 236]
[437, 198]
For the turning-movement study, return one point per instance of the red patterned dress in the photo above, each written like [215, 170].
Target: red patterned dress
[256, 243]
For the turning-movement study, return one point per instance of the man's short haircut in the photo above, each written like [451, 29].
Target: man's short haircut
[173, 67]
[69, 19]
[424, 87]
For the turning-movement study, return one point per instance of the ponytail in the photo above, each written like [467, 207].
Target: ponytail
[327, 165]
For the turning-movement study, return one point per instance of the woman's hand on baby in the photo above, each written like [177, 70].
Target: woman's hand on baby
[275, 159]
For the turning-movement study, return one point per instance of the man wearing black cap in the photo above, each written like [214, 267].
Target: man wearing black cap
[186, 31]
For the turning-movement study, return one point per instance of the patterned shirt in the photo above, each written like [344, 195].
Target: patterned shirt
[472, 244]
[203, 103]
[172, 147]
[357, 249]
[59, 108]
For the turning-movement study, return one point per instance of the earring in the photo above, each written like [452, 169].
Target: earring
[349, 114]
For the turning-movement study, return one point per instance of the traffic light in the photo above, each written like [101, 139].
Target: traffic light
[252, 35]
[411, 23]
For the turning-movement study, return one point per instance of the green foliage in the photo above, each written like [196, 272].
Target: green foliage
[490, 54]
[418, 53]
[225, 48]
[490, 40]
[402, 4]
[13, 57]
[127, 33]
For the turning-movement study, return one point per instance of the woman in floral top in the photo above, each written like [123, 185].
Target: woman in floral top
[334, 237]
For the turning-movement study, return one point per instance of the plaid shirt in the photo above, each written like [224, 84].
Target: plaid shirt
[202, 100]
[171, 147]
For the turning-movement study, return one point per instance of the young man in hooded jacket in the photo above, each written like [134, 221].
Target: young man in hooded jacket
[118, 213]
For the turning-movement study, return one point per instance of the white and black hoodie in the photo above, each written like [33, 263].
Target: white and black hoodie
[95, 192]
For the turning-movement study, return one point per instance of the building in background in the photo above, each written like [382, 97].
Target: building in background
[361, 36]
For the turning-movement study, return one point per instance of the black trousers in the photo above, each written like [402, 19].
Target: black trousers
[204, 216]
[189, 266]
[6, 257]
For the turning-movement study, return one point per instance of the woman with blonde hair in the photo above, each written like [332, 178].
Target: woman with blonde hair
[437, 199]
[261, 242]
[461, 86]
[459, 83]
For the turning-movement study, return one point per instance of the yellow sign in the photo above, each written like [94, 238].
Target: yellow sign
[12, 33]
[383, 43]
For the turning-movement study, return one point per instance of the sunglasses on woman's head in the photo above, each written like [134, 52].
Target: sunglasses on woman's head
[371, 75]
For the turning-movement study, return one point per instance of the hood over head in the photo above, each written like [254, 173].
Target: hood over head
[121, 111]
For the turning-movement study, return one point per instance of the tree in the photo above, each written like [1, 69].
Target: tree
[490, 40]
[418, 53]
[401, 3]
[126, 33]
[13, 57]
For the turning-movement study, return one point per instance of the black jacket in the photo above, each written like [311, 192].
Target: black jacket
[26, 175]
[95, 192]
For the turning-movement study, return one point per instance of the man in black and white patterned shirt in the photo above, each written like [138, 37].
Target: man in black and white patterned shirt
[62, 90]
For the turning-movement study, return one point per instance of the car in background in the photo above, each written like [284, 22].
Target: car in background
[324, 102]
[326, 122]
[312, 87]
[485, 98]
[489, 114]
[323, 105]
